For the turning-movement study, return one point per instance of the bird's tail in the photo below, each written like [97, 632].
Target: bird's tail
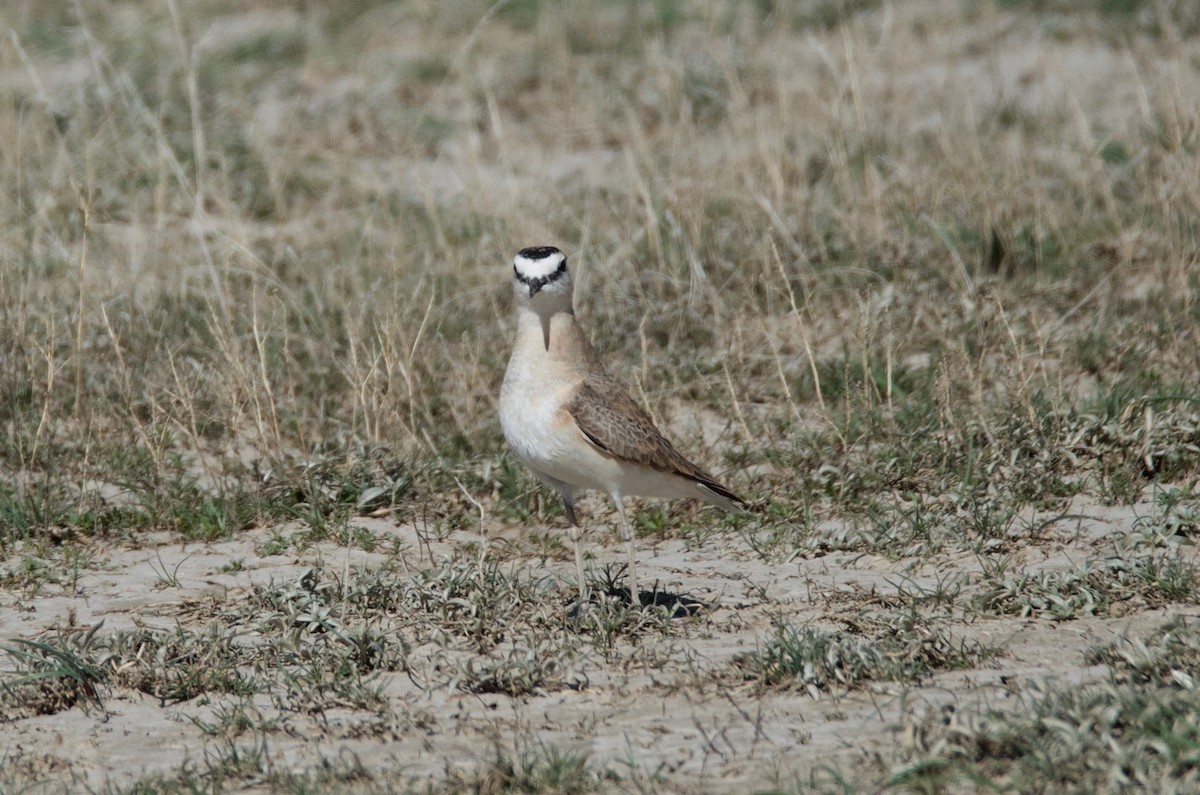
[715, 494]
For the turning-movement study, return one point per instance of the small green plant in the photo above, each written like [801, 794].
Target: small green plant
[167, 577]
[545, 768]
[1169, 656]
[1155, 579]
[817, 661]
[49, 677]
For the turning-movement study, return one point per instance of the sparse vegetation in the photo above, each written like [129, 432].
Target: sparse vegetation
[1094, 739]
[918, 278]
[869, 649]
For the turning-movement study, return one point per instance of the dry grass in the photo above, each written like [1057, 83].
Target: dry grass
[920, 278]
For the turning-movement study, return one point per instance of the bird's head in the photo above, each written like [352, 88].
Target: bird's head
[541, 280]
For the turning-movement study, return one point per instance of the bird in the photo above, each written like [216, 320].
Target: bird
[574, 425]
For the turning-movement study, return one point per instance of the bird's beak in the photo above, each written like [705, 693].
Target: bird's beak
[534, 287]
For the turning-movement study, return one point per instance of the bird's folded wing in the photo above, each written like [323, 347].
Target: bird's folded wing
[615, 424]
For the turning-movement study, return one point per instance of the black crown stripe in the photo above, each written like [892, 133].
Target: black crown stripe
[538, 252]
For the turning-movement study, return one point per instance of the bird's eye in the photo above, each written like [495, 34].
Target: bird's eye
[562, 267]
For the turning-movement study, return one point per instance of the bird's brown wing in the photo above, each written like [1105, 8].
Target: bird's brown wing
[615, 424]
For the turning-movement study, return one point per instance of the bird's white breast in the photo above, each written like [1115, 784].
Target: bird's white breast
[538, 387]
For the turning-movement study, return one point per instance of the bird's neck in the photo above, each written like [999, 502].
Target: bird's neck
[544, 322]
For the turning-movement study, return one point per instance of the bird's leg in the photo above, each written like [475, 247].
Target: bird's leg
[635, 596]
[577, 540]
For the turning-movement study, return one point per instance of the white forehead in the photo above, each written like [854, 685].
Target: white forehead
[536, 268]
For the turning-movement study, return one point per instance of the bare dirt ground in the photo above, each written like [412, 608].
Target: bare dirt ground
[918, 279]
[670, 709]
